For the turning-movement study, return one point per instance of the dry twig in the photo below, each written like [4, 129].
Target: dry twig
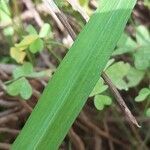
[8, 130]
[93, 128]
[32, 9]
[5, 146]
[76, 140]
[8, 104]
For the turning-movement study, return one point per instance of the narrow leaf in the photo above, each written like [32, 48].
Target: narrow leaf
[70, 86]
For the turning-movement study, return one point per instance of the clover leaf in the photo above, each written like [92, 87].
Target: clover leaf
[20, 87]
[142, 58]
[99, 88]
[36, 46]
[31, 30]
[23, 71]
[143, 94]
[45, 30]
[117, 72]
[100, 101]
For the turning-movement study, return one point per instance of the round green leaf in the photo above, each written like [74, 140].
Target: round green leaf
[20, 87]
[117, 72]
[134, 77]
[101, 100]
[142, 58]
[24, 70]
[8, 31]
[26, 89]
[142, 35]
[31, 30]
[148, 112]
[45, 30]
[143, 94]
[14, 88]
[99, 87]
[37, 46]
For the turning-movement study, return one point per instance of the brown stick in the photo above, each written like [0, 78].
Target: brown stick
[98, 142]
[26, 106]
[8, 130]
[12, 116]
[93, 128]
[8, 118]
[120, 100]
[5, 146]
[9, 111]
[76, 140]
[107, 130]
[36, 15]
[8, 104]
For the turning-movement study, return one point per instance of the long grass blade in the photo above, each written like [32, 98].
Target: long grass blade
[69, 88]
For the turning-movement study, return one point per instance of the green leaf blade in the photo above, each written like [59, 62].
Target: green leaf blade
[67, 91]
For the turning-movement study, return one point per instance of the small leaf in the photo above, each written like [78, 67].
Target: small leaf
[126, 41]
[99, 88]
[125, 45]
[142, 35]
[36, 46]
[147, 3]
[25, 70]
[143, 94]
[5, 15]
[134, 77]
[117, 72]
[20, 87]
[8, 31]
[31, 30]
[110, 62]
[14, 88]
[27, 40]
[45, 30]
[142, 58]
[148, 112]
[83, 2]
[26, 90]
[101, 100]
[18, 55]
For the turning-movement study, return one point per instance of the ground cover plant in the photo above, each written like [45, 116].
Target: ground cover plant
[39, 45]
